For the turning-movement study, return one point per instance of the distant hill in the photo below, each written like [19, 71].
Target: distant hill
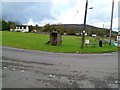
[72, 29]
[79, 27]
[90, 29]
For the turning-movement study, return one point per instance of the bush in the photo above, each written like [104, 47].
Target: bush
[5, 26]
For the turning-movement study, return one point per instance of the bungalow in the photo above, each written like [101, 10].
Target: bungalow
[118, 37]
[94, 35]
[77, 33]
[119, 32]
[20, 28]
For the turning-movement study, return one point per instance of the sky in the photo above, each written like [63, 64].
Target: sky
[41, 12]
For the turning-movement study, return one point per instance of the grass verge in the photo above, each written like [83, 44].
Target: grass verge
[35, 41]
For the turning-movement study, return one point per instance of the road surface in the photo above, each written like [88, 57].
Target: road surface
[36, 69]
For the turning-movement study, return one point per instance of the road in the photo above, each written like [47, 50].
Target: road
[37, 69]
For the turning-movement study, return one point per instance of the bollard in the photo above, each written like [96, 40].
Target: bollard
[100, 43]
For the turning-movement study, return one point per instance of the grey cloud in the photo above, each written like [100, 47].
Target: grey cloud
[23, 11]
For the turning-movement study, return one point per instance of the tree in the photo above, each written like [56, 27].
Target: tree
[101, 32]
[59, 28]
[36, 25]
[11, 24]
[5, 26]
[94, 31]
[71, 30]
[47, 28]
[31, 28]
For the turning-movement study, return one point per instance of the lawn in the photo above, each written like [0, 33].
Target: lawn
[36, 41]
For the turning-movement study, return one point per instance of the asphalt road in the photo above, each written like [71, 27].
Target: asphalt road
[36, 69]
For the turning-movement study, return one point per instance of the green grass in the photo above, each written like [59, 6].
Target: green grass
[37, 41]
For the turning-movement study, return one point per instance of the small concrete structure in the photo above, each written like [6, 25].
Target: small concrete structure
[55, 39]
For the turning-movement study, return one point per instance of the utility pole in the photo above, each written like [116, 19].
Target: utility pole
[103, 26]
[84, 28]
[111, 23]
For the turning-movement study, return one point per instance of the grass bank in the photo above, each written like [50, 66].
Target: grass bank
[37, 41]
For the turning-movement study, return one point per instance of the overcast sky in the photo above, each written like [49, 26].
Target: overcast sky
[42, 12]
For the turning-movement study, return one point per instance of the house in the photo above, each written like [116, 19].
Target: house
[118, 38]
[84, 34]
[94, 35]
[77, 33]
[20, 28]
[64, 33]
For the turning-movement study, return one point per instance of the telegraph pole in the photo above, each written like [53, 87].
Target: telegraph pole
[103, 26]
[84, 28]
[111, 23]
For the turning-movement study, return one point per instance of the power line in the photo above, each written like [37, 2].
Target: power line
[75, 16]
